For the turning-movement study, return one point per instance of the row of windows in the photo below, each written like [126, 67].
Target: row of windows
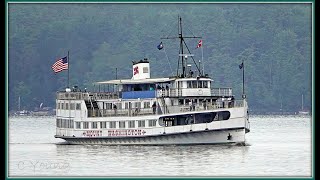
[64, 123]
[69, 106]
[197, 84]
[126, 105]
[198, 118]
[61, 123]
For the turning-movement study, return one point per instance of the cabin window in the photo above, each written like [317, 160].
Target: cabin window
[168, 123]
[199, 84]
[78, 106]
[131, 124]
[122, 124]
[137, 105]
[194, 84]
[141, 123]
[58, 123]
[58, 105]
[103, 125]
[85, 125]
[71, 106]
[62, 105]
[146, 105]
[108, 105]
[126, 105]
[94, 125]
[112, 124]
[189, 84]
[180, 101]
[152, 123]
[67, 106]
[78, 125]
[222, 115]
[200, 101]
[119, 105]
[64, 123]
[205, 84]
[145, 70]
[160, 121]
[71, 124]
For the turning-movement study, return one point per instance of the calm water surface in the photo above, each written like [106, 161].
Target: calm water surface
[277, 146]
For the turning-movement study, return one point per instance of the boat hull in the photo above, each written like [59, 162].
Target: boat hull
[221, 136]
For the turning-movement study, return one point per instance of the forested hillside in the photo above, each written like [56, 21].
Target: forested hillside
[274, 39]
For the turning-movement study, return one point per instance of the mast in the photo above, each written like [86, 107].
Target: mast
[302, 102]
[182, 50]
[19, 103]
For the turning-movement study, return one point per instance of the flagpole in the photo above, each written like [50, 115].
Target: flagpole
[243, 95]
[202, 60]
[68, 70]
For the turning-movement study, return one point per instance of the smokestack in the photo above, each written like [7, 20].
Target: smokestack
[141, 69]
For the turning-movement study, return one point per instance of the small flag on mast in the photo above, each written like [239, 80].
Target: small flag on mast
[199, 44]
[160, 46]
[60, 65]
[241, 66]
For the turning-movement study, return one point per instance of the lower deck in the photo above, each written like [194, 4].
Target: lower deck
[154, 125]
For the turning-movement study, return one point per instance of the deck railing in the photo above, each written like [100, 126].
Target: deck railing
[87, 95]
[221, 92]
[177, 92]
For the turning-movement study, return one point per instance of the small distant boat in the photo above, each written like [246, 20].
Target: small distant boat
[21, 112]
[42, 111]
[303, 111]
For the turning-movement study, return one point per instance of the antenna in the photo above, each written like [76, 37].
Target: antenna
[181, 50]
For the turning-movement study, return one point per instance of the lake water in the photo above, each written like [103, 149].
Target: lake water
[276, 146]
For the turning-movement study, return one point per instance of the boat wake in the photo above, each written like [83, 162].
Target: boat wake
[242, 144]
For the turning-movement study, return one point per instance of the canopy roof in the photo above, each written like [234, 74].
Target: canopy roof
[137, 81]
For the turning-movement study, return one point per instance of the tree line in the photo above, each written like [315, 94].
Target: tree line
[273, 40]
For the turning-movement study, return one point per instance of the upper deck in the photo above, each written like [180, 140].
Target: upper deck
[172, 92]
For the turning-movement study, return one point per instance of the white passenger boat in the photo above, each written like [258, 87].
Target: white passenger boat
[184, 109]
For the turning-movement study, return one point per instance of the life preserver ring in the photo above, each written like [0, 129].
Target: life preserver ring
[200, 91]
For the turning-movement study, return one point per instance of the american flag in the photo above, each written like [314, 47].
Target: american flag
[60, 65]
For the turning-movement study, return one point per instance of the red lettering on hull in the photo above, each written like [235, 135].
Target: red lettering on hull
[126, 132]
[92, 133]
